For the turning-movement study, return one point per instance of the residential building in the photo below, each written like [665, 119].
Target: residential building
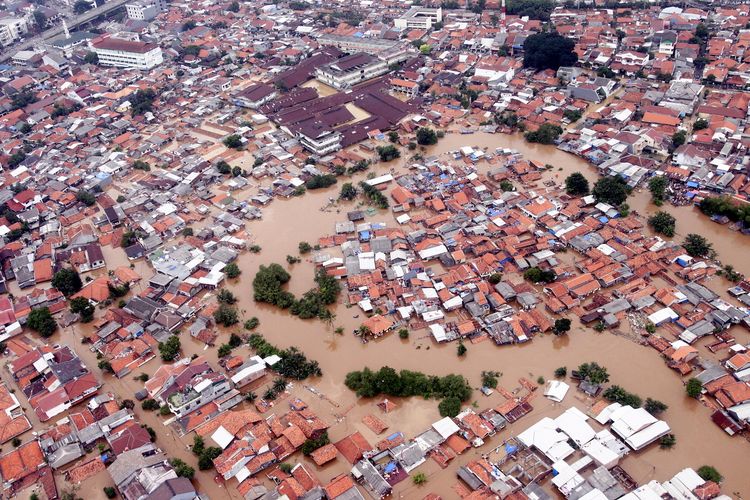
[11, 29]
[419, 18]
[145, 10]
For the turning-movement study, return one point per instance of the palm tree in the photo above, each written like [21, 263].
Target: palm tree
[279, 384]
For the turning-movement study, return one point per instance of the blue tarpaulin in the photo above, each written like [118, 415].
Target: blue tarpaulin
[603, 219]
[692, 184]
[391, 467]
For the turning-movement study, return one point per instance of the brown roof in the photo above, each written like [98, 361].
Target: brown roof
[123, 45]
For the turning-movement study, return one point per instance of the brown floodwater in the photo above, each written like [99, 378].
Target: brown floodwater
[287, 222]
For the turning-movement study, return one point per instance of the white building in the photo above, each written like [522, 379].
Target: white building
[351, 70]
[145, 10]
[419, 18]
[127, 54]
[11, 29]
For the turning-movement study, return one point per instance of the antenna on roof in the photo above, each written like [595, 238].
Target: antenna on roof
[65, 29]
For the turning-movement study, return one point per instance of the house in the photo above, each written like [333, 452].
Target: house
[188, 385]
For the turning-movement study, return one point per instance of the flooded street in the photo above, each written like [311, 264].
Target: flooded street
[285, 223]
[639, 369]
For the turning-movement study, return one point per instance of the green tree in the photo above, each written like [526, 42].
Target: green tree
[150, 404]
[226, 315]
[170, 348]
[67, 281]
[224, 350]
[141, 165]
[83, 307]
[593, 373]
[561, 372]
[304, 247]
[41, 321]
[206, 459]
[142, 101]
[617, 394]
[678, 139]
[181, 468]
[388, 153]
[223, 167]
[105, 366]
[86, 198]
[693, 388]
[489, 379]
[697, 246]
[547, 133]
[232, 270]
[309, 446]
[576, 184]
[426, 136]
[536, 275]
[91, 58]
[198, 445]
[461, 349]
[663, 223]
[700, 124]
[234, 7]
[233, 141]
[110, 492]
[548, 50]
[658, 187]
[226, 297]
[562, 326]
[449, 407]
[610, 190]
[393, 136]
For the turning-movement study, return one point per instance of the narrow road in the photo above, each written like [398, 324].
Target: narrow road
[55, 31]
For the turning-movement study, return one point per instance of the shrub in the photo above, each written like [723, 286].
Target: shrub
[667, 441]
[403, 333]
[709, 473]
[654, 406]
[252, 323]
[110, 492]
[419, 478]
[561, 372]
[304, 247]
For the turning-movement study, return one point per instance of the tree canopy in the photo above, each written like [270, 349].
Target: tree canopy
[548, 50]
[547, 133]
[426, 136]
[576, 184]
[41, 321]
[697, 246]
[662, 223]
[67, 281]
[612, 190]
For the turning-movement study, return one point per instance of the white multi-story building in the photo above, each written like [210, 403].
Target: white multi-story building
[11, 29]
[360, 67]
[419, 18]
[127, 54]
[145, 10]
